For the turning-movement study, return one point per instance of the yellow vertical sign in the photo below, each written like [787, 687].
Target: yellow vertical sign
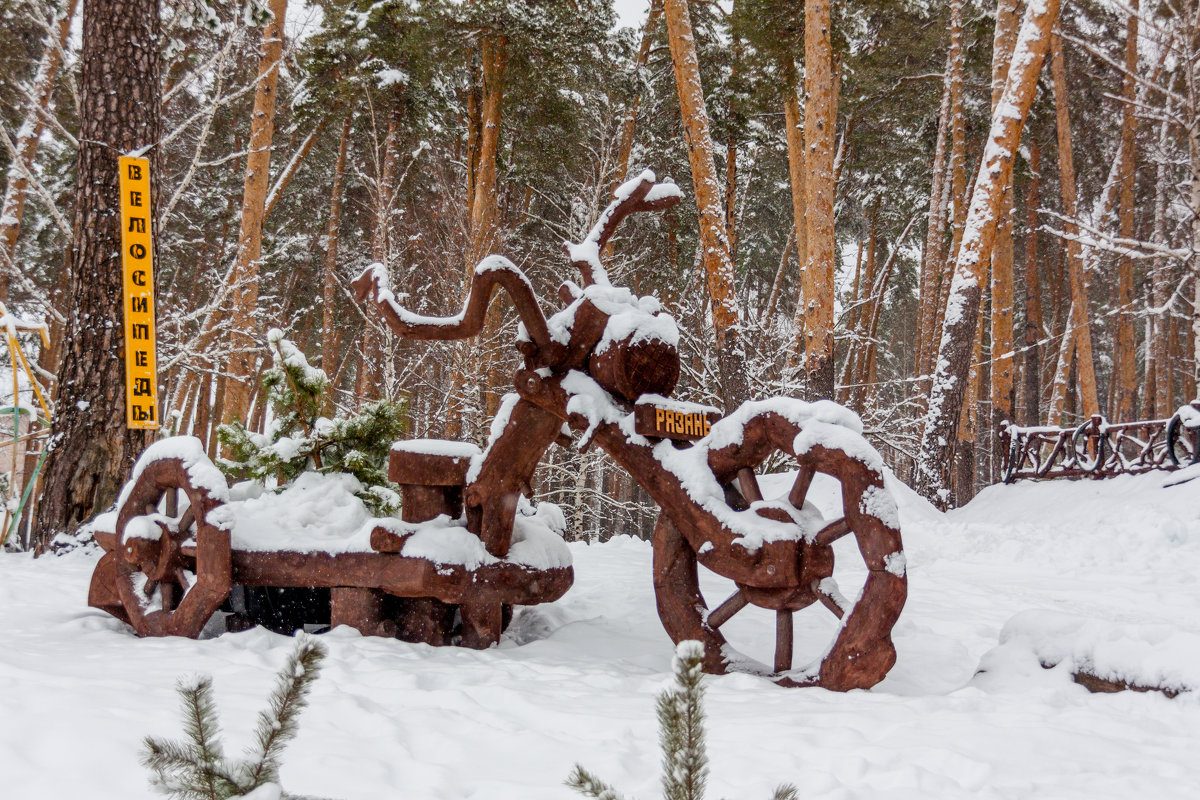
[141, 371]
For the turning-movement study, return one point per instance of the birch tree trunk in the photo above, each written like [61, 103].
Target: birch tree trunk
[120, 112]
[1078, 341]
[243, 337]
[12, 209]
[995, 171]
[715, 257]
[1125, 351]
[819, 124]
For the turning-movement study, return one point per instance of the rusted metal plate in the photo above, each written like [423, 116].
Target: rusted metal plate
[672, 419]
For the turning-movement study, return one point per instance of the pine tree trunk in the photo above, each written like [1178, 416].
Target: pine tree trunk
[961, 319]
[1002, 383]
[1161, 288]
[796, 172]
[958, 165]
[1031, 367]
[494, 52]
[715, 257]
[629, 122]
[329, 343]
[120, 112]
[1125, 351]
[371, 349]
[1079, 340]
[819, 128]
[243, 335]
[12, 209]
[932, 259]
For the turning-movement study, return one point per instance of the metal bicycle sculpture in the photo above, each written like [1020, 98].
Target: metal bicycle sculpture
[601, 369]
[1100, 449]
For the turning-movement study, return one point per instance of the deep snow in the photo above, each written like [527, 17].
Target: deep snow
[575, 680]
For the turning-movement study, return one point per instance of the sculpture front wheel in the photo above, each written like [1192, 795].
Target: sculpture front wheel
[172, 568]
[861, 652]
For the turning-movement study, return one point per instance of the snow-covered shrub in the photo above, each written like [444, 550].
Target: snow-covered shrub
[301, 438]
[197, 768]
[681, 736]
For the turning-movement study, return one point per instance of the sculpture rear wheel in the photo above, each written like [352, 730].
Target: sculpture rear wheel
[164, 590]
[861, 652]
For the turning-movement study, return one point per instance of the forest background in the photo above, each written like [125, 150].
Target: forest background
[834, 150]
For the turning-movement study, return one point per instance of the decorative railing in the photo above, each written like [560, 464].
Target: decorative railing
[1100, 449]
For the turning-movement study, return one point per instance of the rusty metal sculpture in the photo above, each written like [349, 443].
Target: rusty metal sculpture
[1100, 449]
[603, 368]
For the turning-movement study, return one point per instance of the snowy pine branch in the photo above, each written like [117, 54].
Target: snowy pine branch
[681, 736]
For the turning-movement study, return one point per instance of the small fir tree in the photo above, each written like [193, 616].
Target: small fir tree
[301, 438]
[681, 736]
[197, 769]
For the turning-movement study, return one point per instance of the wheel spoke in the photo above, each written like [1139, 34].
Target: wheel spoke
[804, 478]
[721, 614]
[172, 506]
[832, 532]
[783, 640]
[831, 598]
[749, 485]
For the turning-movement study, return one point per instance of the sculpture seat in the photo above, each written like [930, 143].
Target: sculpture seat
[431, 474]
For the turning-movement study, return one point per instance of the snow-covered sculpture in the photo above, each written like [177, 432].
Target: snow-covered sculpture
[470, 545]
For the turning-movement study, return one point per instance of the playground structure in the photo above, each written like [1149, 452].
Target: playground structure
[22, 456]
[470, 545]
[1100, 449]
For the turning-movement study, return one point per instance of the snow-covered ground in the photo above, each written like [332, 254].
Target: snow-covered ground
[576, 680]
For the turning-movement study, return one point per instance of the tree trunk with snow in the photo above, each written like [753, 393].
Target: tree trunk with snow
[329, 335]
[932, 259]
[1031, 363]
[958, 166]
[1002, 383]
[1078, 340]
[819, 124]
[120, 112]
[715, 257]
[1125, 350]
[243, 279]
[12, 209]
[995, 171]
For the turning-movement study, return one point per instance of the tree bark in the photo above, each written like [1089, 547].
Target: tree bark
[715, 257]
[932, 259]
[120, 112]
[1125, 351]
[12, 209]
[1079, 338]
[958, 162]
[1031, 366]
[494, 52]
[796, 171]
[1002, 383]
[243, 335]
[995, 171]
[329, 336]
[819, 124]
[1161, 290]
